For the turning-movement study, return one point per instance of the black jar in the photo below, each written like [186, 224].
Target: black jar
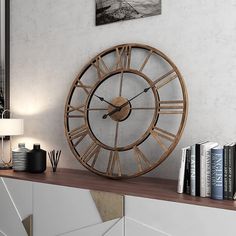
[37, 161]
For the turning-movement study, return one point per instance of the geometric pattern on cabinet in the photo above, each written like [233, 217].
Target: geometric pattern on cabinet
[133, 227]
[59, 209]
[56, 210]
[10, 220]
[179, 219]
[117, 229]
[95, 230]
[109, 205]
[21, 194]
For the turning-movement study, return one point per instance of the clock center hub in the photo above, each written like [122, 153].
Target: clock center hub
[124, 112]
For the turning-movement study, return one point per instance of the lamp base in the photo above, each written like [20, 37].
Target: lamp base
[5, 166]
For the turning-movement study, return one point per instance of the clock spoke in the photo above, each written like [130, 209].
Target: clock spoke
[146, 60]
[171, 107]
[121, 83]
[141, 159]
[91, 152]
[142, 108]
[114, 165]
[116, 134]
[96, 109]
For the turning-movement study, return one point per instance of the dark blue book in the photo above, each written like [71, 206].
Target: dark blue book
[217, 173]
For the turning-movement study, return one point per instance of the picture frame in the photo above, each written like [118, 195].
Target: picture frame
[4, 56]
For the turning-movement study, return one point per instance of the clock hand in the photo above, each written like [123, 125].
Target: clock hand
[103, 100]
[137, 95]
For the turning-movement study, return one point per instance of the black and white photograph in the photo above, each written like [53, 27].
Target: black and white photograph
[109, 11]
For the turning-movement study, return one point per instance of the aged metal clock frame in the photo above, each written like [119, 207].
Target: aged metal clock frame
[119, 108]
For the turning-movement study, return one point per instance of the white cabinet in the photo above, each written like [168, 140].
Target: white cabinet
[157, 217]
[59, 210]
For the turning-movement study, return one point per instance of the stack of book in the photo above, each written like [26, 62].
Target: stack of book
[208, 170]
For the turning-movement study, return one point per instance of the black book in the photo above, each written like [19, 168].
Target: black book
[231, 171]
[198, 167]
[187, 174]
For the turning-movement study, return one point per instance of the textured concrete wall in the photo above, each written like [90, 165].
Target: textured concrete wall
[52, 39]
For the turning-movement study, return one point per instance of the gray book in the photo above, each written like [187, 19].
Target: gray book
[217, 169]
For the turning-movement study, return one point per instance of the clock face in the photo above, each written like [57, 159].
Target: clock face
[125, 111]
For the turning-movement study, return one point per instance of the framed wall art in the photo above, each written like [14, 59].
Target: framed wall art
[4, 55]
[109, 11]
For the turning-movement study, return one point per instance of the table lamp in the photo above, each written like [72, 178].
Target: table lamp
[9, 127]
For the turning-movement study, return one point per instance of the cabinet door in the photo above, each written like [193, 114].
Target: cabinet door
[59, 210]
[15, 206]
[156, 217]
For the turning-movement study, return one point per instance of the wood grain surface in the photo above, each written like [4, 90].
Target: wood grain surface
[147, 187]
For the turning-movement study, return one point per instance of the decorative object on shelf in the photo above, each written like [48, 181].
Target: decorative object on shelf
[9, 127]
[37, 161]
[108, 11]
[126, 111]
[54, 157]
[4, 56]
[19, 158]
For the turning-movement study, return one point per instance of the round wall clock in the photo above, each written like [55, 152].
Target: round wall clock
[126, 111]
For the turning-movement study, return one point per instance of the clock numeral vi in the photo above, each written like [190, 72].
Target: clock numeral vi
[114, 163]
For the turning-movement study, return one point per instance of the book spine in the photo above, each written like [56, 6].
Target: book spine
[202, 171]
[231, 172]
[180, 188]
[187, 172]
[217, 174]
[197, 163]
[226, 168]
[208, 173]
[193, 171]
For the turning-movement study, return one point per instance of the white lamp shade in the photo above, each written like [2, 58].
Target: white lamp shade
[10, 127]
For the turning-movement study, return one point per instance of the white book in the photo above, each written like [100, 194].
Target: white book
[193, 171]
[180, 188]
[205, 165]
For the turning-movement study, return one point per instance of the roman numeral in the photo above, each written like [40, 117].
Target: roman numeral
[141, 159]
[165, 79]
[91, 152]
[85, 87]
[80, 109]
[123, 57]
[146, 60]
[156, 136]
[165, 134]
[171, 107]
[114, 163]
[78, 134]
[101, 67]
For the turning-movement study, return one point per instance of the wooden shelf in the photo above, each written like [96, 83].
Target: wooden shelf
[154, 188]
